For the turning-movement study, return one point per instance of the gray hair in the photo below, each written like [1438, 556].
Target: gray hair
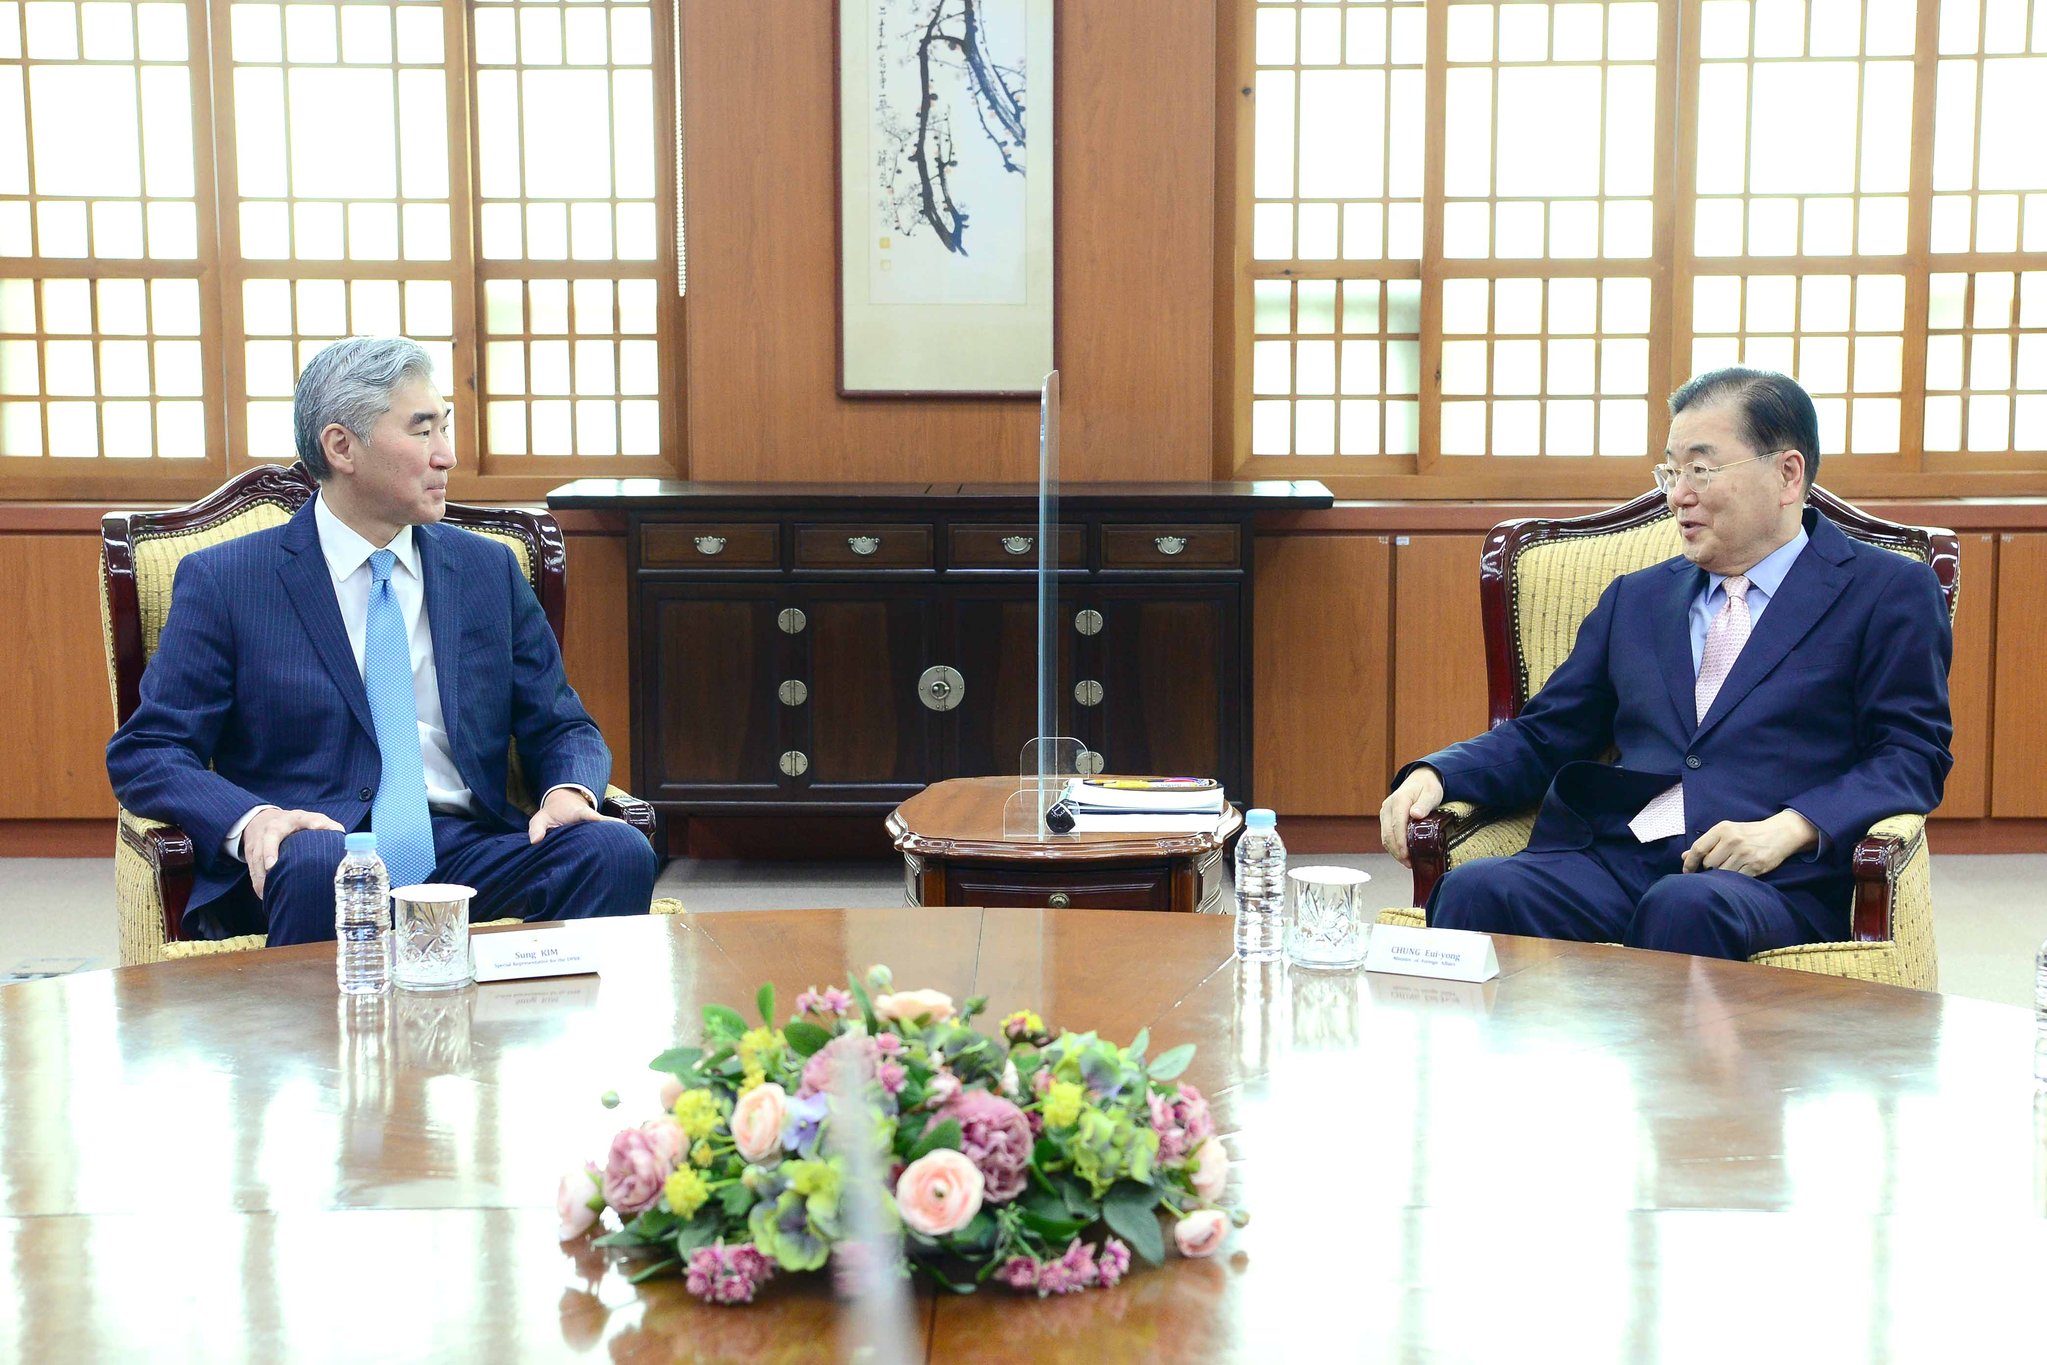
[350, 382]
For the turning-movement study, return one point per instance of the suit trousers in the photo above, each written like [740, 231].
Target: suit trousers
[579, 871]
[1618, 890]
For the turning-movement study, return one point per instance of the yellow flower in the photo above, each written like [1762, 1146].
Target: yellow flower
[1062, 1104]
[750, 1080]
[698, 1112]
[1022, 1024]
[754, 1046]
[686, 1192]
[701, 1154]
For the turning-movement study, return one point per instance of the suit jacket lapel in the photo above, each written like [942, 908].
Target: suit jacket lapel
[1802, 599]
[310, 587]
[1674, 643]
[444, 623]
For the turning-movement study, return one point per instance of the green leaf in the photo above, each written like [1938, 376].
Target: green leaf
[1139, 1044]
[1171, 1063]
[805, 1038]
[659, 1267]
[945, 1134]
[624, 1239]
[677, 1061]
[866, 1008]
[1131, 1211]
[655, 1223]
[722, 1023]
[1056, 1231]
[978, 1234]
[1079, 1203]
[765, 999]
[736, 1199]
[699, 1231]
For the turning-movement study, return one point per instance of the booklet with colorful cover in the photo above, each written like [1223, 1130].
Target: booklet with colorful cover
[1145, 795]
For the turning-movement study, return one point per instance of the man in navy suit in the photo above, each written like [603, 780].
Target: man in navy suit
[301, 668]
[1771, 694]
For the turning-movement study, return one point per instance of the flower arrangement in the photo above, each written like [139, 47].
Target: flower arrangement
[999, 1155]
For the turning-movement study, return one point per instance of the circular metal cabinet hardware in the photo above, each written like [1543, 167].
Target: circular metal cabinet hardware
[1060, 900]
[793, 693]
[792, 620]
[795, 763]
[1018, 545]
[710, 545]
[1088, 692]
[864, 545]
[941, 688]
[1088, 763]
[1170, 545]
[1088, 622]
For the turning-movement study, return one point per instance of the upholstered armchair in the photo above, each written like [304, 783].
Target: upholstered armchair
[139, 554]
[1538, 580]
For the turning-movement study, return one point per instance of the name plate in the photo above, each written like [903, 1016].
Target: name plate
[524, 953]
[1446, 954]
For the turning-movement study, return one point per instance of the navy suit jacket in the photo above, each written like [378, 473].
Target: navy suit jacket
[253, 696]
[1837, 708]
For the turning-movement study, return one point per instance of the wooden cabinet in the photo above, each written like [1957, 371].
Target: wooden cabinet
[825, 648]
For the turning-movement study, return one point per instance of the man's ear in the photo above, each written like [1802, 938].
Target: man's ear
[338, 443]
[1792, 471]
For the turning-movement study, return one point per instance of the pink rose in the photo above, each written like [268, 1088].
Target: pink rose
[634, 1174]
[667, 1138]
[996, 1137]
[1211, 1167]
[1201, 1232]
[577, 1201]
[939, 1192]
[910, 1006]
[757, 1121]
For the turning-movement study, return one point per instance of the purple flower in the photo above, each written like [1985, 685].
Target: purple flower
[1182, 1122]
[830, 1000]
[1114, 1262]
[634, 1172]
[996, 1137]
[1019, 1272]
[803, 1117]
[848, 1051]
[722, 1274]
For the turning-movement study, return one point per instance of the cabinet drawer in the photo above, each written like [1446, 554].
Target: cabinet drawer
[875, 545]
[1144, 887]
[1012, 545]
[1170, 547]
[712, 545]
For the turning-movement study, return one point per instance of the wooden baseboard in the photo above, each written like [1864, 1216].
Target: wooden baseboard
[57, 838]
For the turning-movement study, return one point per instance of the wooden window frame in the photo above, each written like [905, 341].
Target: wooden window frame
[1671, 270]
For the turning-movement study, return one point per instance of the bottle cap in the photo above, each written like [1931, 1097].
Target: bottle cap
[366, 842]
[1260, 818]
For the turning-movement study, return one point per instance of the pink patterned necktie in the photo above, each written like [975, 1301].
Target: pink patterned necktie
[1665, 815]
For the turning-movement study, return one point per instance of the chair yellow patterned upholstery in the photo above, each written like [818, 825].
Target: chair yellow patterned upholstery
[140, 552]
[1539, 579]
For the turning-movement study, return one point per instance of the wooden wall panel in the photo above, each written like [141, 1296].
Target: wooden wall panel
[1136, 212]
[594, 641]
[2018, 730]
[54, 704]
[1968, 785]
[1439, 686]
[1322, 627]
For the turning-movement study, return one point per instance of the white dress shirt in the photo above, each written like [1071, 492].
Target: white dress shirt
[348, 562]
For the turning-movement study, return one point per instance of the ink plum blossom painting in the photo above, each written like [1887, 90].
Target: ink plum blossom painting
[945, 132]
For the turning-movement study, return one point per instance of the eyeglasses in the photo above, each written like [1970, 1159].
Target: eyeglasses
[1698, 477]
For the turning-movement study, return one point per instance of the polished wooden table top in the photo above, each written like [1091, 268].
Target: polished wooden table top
[1603, 1155]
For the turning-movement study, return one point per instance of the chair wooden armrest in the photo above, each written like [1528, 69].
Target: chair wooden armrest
[154, 872]
[635, 812]
[1457, 832]
[1880, 860]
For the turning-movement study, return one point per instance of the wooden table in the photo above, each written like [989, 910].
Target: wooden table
[1603, 1155]
[956, 852]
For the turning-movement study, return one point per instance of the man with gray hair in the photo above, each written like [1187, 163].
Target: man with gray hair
[361, 667]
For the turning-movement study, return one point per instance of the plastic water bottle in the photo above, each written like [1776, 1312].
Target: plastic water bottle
[362, 919]
[1261, 887]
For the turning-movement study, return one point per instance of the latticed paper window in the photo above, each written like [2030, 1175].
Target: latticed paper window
[337, 141]
[1611, 197]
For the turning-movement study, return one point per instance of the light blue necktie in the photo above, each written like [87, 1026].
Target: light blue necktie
[405, 834]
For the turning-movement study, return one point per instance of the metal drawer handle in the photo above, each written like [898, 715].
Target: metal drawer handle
[1170, 545]
[710, 545]
[1018, 545]
[794, 763]
[864, 545]
[941, 688]
[1060, 900]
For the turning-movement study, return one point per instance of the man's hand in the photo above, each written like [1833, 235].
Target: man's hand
[1420, 794]
[269, 828]
[1754, 847]
[562, 806]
